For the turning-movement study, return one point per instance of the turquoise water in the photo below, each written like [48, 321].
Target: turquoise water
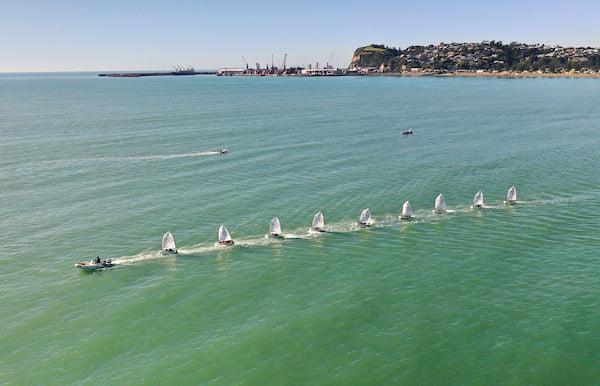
[504, 295]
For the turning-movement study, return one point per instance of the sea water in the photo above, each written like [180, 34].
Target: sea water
[95, 166]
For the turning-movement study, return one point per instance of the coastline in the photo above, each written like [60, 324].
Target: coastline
[505, 75]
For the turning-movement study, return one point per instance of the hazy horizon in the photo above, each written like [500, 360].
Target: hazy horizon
[67, 36]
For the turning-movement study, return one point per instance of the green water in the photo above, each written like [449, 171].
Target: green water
[504, 295]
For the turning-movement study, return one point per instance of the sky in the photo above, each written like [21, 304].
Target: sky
[86, 35]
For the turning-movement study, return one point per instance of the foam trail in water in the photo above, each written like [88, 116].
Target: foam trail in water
[144, 256]
[381, 221]
[160, 156]
[156, 157]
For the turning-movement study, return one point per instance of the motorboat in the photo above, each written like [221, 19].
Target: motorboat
[94, 264]
[407, 132]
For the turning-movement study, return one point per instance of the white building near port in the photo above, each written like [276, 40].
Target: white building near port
[230, 71]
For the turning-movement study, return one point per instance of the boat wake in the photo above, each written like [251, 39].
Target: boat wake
[159, 156]
[156, 157]
[144, 256]
[382, 221]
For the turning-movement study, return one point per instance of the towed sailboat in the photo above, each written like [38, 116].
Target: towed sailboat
[407, 212]
[275, 229]
[224, 236]
[478, 200]
[511, 196]
[440, 204]
[318, 224]
[365, 219]
[168, 244]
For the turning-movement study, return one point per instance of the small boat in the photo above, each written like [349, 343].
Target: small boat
[511, 196]
[318, 224]
[94, 264]
[275, 229]
[478, 200]
[365, 219]
[440, 204]
[407, 212]
[224, 236]
[168, 244]
[407, 132]
[222, 151]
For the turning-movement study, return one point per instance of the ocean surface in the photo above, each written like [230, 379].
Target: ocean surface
[95, 166]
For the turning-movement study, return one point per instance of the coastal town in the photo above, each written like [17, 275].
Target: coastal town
[487, 57]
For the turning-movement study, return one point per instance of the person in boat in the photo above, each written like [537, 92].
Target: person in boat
[97, 261]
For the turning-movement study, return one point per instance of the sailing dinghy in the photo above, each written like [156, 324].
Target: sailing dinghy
[440, 204]
[511, 196]
[318, 224]
[407, 212]
[365, 219]
[478, 200]
[275, 229]
[224, 236]
[168, 244]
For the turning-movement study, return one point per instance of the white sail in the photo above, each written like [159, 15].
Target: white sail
[168, 242]
[275, 227]
[440, 204]
[224, 234]
[406, 210]
[511, 195]
[365, 217]
[318, 221]
[478, 199]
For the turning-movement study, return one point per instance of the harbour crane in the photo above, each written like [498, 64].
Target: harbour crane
[284, 61]
[246, 63]
[330, 61]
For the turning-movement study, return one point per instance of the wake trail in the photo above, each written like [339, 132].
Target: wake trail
[421, 216]
[154, 157]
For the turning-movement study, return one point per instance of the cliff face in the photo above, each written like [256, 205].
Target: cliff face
[369, 56]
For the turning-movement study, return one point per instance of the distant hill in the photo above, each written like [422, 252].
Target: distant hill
[487, 56]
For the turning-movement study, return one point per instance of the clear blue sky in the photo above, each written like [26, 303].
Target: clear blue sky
[63, 35]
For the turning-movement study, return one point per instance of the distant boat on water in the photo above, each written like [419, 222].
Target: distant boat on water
[224, 236]
[318, 224]
[365, 219]
[168, 244]
[478, 200]
[275, 229]
[440, 204]
[511, 196]
[407, 212]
